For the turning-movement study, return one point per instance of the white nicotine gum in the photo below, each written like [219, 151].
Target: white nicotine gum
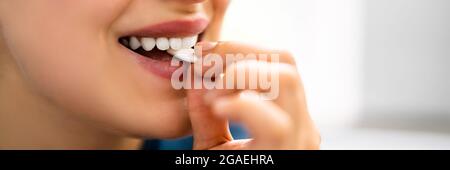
[187, 55]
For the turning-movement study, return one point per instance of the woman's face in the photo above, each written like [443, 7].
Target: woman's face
[69, 53]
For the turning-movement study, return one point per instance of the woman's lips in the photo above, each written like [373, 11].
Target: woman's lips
[157, 61]
[178, 28]
[161, 67]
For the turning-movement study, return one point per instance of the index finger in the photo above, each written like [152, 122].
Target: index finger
[218, 55]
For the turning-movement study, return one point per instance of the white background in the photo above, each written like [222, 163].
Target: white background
[375, 71]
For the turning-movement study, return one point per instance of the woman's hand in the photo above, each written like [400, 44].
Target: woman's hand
[282, 123]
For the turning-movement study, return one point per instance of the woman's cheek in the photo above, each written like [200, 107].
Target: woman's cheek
[60, 48]
[55, 35]
[63, 48]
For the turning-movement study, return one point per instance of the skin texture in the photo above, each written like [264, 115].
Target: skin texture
[65, 83]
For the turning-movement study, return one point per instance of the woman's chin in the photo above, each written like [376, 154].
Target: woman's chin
[168, 125]
[166, 131]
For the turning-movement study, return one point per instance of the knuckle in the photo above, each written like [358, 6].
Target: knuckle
[289, 76]
[287, 57]
[316, 140]
[237, 102]
[312, 141]
[281, 129]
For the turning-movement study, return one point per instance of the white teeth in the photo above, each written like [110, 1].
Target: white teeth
[189, 42]
[134, 43]
[162, 44]
[180, 48]
[187, 55]
[176, 43]
[148, 43]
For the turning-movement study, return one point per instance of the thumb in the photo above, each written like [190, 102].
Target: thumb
[208, 130]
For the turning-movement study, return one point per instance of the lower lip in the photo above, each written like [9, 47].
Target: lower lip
[161, 68]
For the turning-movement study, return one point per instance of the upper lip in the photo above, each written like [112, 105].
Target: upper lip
[175, 28]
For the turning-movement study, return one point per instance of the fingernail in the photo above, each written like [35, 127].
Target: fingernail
[207, 46]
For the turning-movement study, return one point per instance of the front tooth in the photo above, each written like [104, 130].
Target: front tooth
[176, 43]
[162, 44]
[189, 42]
[148, 43]
[134, 43]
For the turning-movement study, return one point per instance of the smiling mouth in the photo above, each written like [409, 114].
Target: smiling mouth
[161, 41]
[159, 48]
